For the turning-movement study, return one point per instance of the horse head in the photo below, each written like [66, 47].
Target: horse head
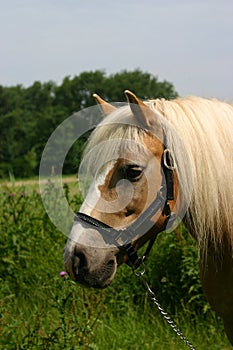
[133, 173]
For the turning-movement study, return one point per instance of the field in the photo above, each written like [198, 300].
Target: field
[42, 310]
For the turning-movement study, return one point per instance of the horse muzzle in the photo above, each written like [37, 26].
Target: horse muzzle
[91, 266]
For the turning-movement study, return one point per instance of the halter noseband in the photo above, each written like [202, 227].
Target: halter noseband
[123, 237]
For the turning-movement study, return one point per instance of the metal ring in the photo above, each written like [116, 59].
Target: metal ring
[141, 272]
[168, 153]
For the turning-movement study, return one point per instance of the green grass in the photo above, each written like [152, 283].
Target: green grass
[41, 310]
[136, 331]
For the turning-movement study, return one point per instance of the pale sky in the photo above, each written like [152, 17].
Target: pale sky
[188, 43]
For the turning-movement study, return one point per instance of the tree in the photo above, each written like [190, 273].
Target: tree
[144, 85]
[28, 116]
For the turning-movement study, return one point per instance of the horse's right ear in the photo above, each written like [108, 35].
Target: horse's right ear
[145, 116]
[106, 107]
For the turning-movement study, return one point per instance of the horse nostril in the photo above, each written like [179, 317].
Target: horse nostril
[79, 262]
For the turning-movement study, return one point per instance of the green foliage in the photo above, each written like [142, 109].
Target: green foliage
[28, 116]
[173, 271]
[38, 308]
[41, 310]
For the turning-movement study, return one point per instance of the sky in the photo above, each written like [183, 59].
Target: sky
[186, 42]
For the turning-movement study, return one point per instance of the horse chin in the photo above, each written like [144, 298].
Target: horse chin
[90, 281]
[97, 284]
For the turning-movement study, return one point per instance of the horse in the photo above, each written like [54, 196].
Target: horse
[158, 160]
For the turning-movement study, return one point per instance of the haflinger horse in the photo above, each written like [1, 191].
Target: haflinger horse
[162, 160]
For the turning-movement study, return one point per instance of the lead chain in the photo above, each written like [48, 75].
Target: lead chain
[163, 312]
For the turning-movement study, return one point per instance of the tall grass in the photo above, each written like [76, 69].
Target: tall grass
[42, 310]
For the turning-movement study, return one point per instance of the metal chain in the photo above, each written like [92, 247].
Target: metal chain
[162, 311]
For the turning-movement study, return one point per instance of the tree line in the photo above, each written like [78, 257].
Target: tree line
[29, 115]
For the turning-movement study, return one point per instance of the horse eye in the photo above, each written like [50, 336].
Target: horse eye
[132, 172]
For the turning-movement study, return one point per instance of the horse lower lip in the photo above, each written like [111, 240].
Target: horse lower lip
[92, 284]
[88, 280]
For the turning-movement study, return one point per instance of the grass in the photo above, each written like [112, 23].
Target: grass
[137, 331]
[41, 310]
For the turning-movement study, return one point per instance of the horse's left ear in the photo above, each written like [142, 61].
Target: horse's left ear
[144, 115]
[106, 107]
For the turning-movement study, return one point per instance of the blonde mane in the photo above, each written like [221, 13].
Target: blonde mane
[205, 129]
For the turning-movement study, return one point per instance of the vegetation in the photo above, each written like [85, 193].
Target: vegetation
[42, 310]
[28, 116]
[40, 307]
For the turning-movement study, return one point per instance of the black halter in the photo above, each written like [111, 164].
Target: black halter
[123, 237]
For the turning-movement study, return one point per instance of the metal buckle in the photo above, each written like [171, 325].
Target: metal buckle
[168, 159]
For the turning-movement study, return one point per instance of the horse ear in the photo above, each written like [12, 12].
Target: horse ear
[106, 107]
[144, 115]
